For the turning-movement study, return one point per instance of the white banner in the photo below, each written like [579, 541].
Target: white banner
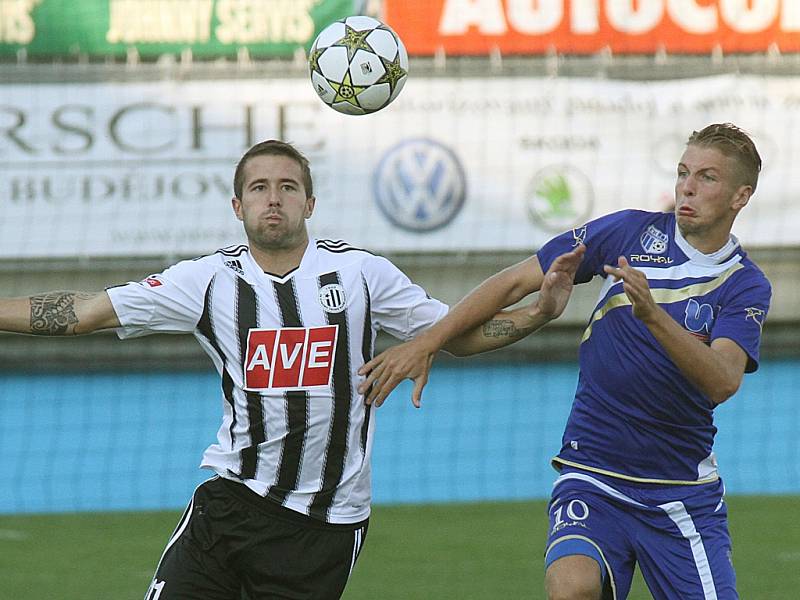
[145, 169]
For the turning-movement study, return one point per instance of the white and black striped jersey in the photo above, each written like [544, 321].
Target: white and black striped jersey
[294, 428]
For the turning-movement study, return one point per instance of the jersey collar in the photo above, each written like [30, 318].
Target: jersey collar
[698, 257]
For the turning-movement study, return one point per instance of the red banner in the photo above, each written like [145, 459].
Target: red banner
[476, 27]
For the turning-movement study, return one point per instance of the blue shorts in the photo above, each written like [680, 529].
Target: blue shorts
[677, 534]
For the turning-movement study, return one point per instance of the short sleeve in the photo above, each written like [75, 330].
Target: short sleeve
[601, 237]
[742, 315]
[168, 302]
[399, 306]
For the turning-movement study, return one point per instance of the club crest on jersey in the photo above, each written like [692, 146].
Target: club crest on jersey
[332, 298]
[654, 241]
[292, 358]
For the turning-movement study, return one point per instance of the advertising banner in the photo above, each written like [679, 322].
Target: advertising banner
[209, 28]
[145, 169]
[476, 27]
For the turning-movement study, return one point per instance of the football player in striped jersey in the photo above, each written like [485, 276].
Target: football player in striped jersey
[287, 321]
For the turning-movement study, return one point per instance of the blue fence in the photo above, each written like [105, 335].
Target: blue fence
[132, 441]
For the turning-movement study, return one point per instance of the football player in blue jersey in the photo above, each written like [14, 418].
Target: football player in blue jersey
[676, 326]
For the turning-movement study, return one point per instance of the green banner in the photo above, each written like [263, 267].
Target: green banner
[210, 28]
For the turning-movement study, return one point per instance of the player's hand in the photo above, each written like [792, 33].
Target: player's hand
[635, 285]
[411, 360]
[558, 283]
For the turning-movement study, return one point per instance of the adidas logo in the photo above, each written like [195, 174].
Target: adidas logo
[235, 265]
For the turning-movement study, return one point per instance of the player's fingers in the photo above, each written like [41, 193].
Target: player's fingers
[564, 261]
[615, 272]
[371, 365]
[576, 256]
[371, 385]
[633, 292]
[380, 395]
[384, 388]
[419, 385]
[374, 395]
[377, 393]
[575, 261]
[371, 376]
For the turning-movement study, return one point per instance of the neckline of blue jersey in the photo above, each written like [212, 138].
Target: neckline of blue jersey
[715, 258]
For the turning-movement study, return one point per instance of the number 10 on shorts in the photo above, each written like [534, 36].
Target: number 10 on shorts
[576, 511]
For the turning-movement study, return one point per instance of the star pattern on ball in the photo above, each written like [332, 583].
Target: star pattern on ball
[354, 40]
[394, 72]
[313, 59]
[346, 91]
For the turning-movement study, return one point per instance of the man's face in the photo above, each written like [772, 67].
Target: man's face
[273, 206]
[708, 191]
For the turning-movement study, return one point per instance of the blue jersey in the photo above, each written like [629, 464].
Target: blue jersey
[635, 415]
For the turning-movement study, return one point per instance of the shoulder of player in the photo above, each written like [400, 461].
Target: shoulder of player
[340, 247]
[616, 231]
[205, 266]
[339, 255]
[634, 214]
[628, 221]
[231, 257]
[752, 275]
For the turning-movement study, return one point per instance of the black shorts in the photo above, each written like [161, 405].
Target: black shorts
[231, 544]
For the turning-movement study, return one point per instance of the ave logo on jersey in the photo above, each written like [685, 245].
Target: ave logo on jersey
[292, 358]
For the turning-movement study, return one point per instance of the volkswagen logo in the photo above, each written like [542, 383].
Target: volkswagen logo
[420, 185]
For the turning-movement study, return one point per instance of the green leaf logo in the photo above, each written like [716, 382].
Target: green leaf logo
[555, 191]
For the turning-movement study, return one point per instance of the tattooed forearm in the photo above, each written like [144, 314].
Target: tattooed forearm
[497, 328]
[54, 313]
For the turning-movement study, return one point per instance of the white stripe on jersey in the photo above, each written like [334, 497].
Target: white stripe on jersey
[686, 270]
[680, 516]
[290, 441]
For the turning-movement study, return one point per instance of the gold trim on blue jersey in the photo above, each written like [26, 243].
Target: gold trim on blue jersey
[557, 460]
[662, 296]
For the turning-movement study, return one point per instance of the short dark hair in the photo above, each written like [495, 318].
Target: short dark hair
[733, 143]
[273, 148]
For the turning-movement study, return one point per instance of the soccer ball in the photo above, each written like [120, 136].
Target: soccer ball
[358, 65]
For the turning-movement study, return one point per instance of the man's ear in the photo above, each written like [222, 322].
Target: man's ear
[741, 197]
[310, 203]
[237, 208]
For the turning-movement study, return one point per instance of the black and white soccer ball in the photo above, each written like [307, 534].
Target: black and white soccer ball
[358, 65]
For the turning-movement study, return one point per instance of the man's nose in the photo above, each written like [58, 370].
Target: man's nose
[273, 197]
[688, 187]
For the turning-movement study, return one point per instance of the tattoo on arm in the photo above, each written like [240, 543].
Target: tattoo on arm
[54, 313]
[497, 328]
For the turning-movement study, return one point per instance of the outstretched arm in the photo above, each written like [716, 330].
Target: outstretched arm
[716, 370]
[476, 324]
[58, 313]
[507, 327]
